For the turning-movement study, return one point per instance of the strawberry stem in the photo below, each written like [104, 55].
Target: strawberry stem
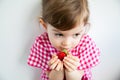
[65, 51]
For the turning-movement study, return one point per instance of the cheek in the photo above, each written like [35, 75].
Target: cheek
[76, 42]
[55, 42]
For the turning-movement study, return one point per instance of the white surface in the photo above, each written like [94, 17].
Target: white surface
[19, 26]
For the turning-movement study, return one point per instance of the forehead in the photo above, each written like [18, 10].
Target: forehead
[77, 28]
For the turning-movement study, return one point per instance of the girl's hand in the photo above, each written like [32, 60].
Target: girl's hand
[71, 62]
[56, 66]
[55, 63]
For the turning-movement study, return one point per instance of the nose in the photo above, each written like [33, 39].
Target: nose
[66, 42]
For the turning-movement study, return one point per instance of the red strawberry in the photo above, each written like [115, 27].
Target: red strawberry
[62, 54]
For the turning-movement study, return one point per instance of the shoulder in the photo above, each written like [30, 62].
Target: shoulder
[89, 52]
[86, 41]
[86, 38]
[42, 39]
[87, 47]
[43, 43]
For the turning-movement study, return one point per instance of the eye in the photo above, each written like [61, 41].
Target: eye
[58, 34]
[76, 35]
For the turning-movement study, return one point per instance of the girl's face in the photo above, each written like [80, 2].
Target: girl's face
[65, 39]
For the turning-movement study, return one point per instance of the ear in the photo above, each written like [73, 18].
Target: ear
[86, 28]
[43, 23]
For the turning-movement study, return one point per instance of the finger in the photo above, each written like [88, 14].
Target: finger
[59, 65]
[52, 60]
[69, 65]
[76, 60]
[54, 64]
[71, 61]
[73, 57]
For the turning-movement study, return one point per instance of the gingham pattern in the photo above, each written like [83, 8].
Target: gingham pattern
[42, 50]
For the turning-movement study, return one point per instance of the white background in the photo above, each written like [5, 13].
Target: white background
[19, 26]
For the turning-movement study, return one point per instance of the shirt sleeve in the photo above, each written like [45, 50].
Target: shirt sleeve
[89, 53]
[38, 55]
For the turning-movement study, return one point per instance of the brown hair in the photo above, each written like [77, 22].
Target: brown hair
[65, 14]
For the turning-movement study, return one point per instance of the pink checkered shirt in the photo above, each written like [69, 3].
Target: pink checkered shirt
[42, 50]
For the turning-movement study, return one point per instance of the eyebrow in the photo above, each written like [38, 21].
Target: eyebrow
[55, 30]
[60, 32]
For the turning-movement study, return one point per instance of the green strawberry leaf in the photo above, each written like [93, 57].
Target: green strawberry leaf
[65, 51]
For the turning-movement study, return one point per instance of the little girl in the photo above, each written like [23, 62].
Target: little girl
[66, 23]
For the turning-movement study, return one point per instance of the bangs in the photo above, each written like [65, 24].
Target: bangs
[67, 21]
